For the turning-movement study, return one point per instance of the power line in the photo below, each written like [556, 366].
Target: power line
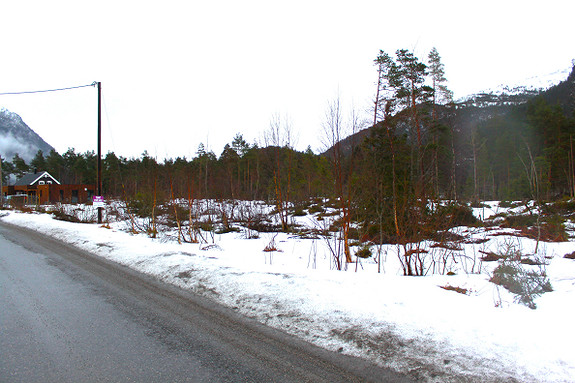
[48, 90]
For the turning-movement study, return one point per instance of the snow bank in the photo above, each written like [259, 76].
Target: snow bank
[410, 324]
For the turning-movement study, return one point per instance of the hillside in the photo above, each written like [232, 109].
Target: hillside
[563, 94]
[466, 113]
[518, 92]
[17, 138]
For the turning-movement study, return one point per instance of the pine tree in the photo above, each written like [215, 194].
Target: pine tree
[407, 77]
[55, 164]
[384, 94]
[20, 166]
[436, 70]
[7, 170]
[240, 146]
[38, 163]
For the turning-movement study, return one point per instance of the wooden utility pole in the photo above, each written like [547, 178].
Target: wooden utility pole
[1, 185]
[99, 181]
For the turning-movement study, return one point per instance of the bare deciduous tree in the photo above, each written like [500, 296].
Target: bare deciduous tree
[335, 128]
[280, 136]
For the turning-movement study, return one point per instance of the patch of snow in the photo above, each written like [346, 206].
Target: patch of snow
[410, 324]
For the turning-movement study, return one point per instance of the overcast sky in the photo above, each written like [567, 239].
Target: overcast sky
[177, 73]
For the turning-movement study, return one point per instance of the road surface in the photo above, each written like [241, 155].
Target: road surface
[69, 316]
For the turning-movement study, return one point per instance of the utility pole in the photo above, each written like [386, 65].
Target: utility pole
[1, 185]
[99, 181]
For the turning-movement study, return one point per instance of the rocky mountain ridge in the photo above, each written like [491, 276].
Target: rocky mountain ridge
[515, 93]
[18, 138]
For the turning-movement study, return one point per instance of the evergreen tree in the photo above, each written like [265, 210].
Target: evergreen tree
[55, 164]
[201, 150]
[112, 179]
[69, 159]
[38, 163]
[7, 170]
[436, 70]
[553, 133]
[239, 145]
[384, 93]
[407, 77]
[20, 166]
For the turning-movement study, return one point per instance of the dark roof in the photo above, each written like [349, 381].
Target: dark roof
[30, 178]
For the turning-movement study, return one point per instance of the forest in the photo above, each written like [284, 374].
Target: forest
[420, 147]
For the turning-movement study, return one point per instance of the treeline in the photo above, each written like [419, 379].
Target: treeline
[477, 153]
[241, 171]
[526, 153]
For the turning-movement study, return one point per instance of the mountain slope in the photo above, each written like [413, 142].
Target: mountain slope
[518, 92]
[557, 88]
[563, 94]
[17, 138]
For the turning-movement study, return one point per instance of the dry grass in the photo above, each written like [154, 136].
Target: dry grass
[459, 290]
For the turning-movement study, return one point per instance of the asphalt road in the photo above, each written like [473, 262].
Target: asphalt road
[69, 316]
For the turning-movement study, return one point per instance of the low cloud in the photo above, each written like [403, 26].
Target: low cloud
[10, 145]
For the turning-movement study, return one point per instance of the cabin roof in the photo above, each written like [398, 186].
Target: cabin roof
[32, 178]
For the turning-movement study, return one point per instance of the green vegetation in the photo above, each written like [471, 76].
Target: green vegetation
[526, 279]
[524, 283]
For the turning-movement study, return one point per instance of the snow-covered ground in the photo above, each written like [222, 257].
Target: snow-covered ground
[410, 324]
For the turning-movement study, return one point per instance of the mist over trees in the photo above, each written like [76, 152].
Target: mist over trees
[17, 138]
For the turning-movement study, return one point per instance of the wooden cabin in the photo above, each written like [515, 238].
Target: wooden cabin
[43, 188]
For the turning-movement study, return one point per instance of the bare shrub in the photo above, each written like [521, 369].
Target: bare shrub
[413, 259]
[75, 213]
[271, 246]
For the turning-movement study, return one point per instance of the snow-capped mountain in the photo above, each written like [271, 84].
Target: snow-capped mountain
[517, 92]
[533, 83]
[17, 138]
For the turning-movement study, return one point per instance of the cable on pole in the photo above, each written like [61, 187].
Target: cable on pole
[48, 90]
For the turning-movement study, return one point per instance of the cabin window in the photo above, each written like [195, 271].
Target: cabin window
[74, 196]
[49, 182]
[41, 183]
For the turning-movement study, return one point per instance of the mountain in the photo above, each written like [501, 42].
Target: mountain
[563, 94]
[557, 88]
[516, 93]
[17, 137]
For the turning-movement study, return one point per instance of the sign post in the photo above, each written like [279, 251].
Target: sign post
[100, 150]
[98, 202]
[1, 185]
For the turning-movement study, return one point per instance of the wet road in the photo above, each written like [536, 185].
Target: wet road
[67, 316]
